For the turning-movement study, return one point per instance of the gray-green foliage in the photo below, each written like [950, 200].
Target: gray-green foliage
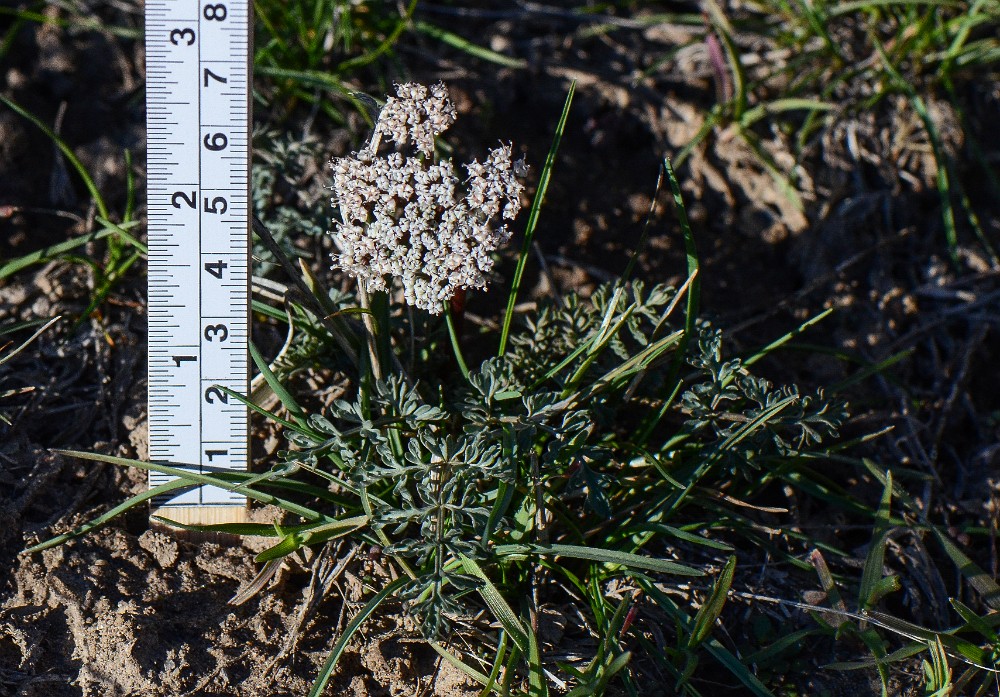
[450, 478]
[728, 397]
[284, 184]
[432, 474]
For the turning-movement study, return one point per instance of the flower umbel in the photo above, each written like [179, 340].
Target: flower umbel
[404, 216]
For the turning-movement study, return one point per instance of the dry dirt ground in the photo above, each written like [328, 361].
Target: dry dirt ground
[134, 611]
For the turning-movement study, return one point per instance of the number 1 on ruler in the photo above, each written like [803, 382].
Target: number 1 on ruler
[198, 147]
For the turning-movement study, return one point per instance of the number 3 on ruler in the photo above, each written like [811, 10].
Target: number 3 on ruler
[211, 12]
[216, 330]
[178, 35]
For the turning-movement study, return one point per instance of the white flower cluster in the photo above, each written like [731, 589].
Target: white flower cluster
[409, 218]
[415, 113]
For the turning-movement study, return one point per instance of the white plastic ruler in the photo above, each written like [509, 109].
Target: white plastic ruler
[198, 164]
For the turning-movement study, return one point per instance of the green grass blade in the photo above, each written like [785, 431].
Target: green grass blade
[724, 31]
[312, 78]
[88, 181]
[976, 576]
[264, 412]
[710, 611]
[746, 430]
[716, 650]
[871, 369]
[491, 680]
[712, 120]
[779, 647]
[76, 22]
[537, 685]
[683, 535]
[607, 556]
[455, 346]
[504, 496]
[112, 274]
[693, 269]
[122, 231]
[635, 364]
[536, 207]
[462, 44]
[284, 395]
[716, 453]
[476, 675]
[352, 627]
[780, 178]
[240, 529]
[896, 656]
[268, 311]
[779, 106]
[872, 572]
[940, 160]
[848, 8]
[512, 624]
[561, 365]
[640, 244]
[57, 250]
[103, 519]
[600, 341]
[129, 190]
[974, 621]
[384, 47]
[781, 341]
[510, 670]
[312, 535]
[194, 478]
[961, 36]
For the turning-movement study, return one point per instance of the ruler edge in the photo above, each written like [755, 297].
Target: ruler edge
[201, 515]
[213, 514]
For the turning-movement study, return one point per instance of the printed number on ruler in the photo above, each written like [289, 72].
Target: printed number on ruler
[198, 125]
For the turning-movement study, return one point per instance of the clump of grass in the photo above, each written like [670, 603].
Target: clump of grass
[110, 225]
[306, 50]
[121, 248]
[972, 643]
[596, 449]
[819, 64]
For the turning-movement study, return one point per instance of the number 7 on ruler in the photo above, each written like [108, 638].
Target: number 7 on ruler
[198, 171]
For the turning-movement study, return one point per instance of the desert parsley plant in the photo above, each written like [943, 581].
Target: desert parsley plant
[470, 485]
[574, 466]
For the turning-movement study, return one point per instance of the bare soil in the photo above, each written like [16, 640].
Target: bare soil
[131, 610]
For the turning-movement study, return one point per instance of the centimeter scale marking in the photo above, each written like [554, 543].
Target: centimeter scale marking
[198, 167]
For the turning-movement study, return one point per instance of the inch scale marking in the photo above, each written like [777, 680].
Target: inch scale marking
[198, 167]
